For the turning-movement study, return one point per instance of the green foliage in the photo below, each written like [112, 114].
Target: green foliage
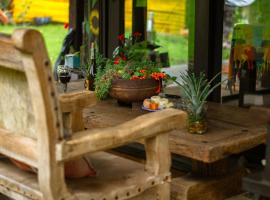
[130, 62]
[103, 85]
[195, 90]
[132, 49]
[107, 71]
[53, 34]
[103, 80]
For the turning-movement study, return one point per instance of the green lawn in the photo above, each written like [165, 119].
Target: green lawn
[54, 35]
[176, 45]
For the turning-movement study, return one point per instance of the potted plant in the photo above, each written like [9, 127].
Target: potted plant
[195, 91]
[130, 76]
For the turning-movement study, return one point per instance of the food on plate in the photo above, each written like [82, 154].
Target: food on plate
[155, 98]
[154, 106]
[146, 103]
[163, 102]
[157, 102]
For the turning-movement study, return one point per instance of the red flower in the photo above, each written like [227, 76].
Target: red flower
[135, 77]
[66, 25]
[116, 61]
[121, 37]
[142, 71]
[122, 55]
[137, 34]
[158, 75]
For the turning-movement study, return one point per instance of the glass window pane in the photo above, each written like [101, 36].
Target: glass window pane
[246, 45]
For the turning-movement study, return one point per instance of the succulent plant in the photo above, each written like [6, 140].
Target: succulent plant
[196, 89]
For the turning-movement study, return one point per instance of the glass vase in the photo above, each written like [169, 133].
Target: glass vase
[197, 123]
[197, 127]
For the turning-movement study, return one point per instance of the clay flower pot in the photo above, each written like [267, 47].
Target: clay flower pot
[128, 91]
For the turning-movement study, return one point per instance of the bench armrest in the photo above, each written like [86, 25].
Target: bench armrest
[70, 102]
[143, 127]
[72, 105]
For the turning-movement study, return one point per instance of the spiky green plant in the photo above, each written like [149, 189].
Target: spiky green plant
[196, 89]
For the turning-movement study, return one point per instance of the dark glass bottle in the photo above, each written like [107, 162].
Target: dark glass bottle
[92, 68]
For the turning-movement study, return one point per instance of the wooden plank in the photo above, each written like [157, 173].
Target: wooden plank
[216, 144]
[9, 56]
[123, 178]
[20, 184]
[70, 102]
[189, 187]
[18, 147]
[231, 130]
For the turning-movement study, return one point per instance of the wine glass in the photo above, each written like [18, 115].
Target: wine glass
[64, 76]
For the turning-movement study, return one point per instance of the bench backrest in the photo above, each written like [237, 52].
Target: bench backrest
[16, 109]
[30, 120]
[26, 84]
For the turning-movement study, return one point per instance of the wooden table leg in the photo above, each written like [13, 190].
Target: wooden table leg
[216, 181]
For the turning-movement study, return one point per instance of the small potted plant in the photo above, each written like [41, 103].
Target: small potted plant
[130, 76]
[195, 90]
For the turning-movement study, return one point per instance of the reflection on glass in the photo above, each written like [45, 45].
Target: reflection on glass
[170, 24]
[246, 48]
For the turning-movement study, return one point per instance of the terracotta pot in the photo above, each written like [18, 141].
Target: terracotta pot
[128, 91]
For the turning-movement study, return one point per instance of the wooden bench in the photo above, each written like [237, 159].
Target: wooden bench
[42, 129]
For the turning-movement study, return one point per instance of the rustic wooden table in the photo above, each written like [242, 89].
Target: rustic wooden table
[215, 173]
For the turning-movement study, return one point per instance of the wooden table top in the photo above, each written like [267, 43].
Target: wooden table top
[232, 130]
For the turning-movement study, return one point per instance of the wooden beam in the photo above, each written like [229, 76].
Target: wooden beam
[18, 147]
[103, 21]
[139, 19]
[76, 16]
[116, 24]
[208, 40]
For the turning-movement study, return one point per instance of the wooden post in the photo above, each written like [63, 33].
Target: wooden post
[112, 24]
[75, 21]
[139, 18]
[190, 21]
[116, 24]
[247, 83]
[208, 40]
[103, 27]
[157, 148]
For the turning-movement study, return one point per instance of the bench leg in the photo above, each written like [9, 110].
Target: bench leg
[163, 191]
